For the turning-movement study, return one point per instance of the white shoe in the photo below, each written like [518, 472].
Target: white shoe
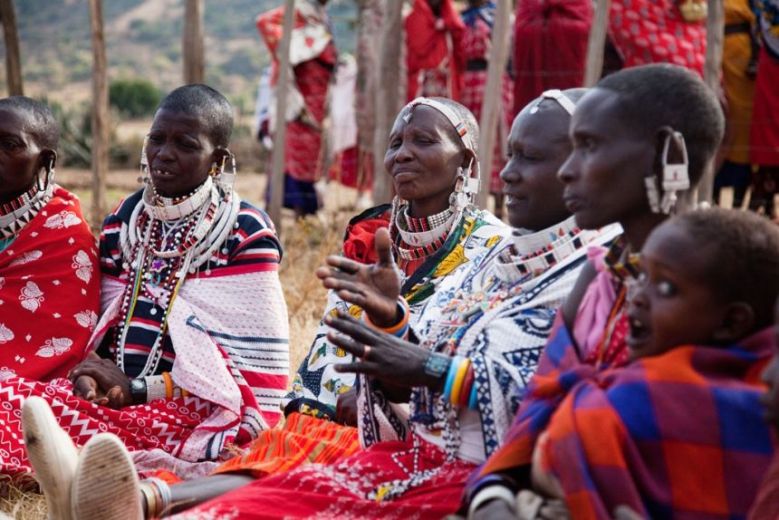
[52, 455]
[106, 486]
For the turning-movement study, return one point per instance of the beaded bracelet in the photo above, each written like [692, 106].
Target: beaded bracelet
[465, 391]
[453, 366]
[459, 378]
[168, 385]
[473, 401]
[399, 329]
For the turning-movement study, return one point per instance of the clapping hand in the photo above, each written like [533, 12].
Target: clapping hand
[375, 288]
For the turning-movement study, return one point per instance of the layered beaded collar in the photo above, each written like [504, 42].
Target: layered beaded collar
[533, 253]
[164, 208]
[14, 215]
[425, 235]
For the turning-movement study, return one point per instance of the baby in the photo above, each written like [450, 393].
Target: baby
[679, 431]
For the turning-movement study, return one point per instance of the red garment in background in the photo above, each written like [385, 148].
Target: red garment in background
[653, 31]
[312, 77]
[765, 117]
[550, 46]
[49, 292]
[476, 44]
[434, 56]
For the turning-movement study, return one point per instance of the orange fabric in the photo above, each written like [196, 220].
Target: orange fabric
[302, 440]
[739, 86]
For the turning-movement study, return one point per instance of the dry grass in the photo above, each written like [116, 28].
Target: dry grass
[306, 244]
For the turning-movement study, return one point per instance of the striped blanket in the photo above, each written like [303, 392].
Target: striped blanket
[678, 435]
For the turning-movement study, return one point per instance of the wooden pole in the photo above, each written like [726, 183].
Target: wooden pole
[13, 62]
[597, 43]
[387, 102]
[99, 113]
[712, 73]
[192, 42]
[280, 126]
[491, 107]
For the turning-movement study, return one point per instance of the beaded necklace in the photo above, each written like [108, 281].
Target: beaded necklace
[15, 214]
[419, 237]
[165, 240]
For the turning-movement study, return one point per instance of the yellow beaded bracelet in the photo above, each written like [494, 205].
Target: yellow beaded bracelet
[459, 377]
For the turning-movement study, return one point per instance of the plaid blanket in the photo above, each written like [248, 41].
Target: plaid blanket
[678, 435]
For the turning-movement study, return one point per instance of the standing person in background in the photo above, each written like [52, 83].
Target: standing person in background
[476, 43]
[313, 56]
[550, 46]
[434, 58]
[738, 77]
[659, 31]
[765, 120]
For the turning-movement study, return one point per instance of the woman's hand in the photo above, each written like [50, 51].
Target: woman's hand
[101, 381]
[375, 287]
[346, 408]
[382, 356]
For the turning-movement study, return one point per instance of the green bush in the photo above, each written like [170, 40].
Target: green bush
[134, 97]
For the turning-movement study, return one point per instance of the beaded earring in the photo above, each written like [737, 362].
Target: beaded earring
[47, 179]
[223, 178]
[676, 176]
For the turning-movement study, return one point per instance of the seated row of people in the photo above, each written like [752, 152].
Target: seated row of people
[445, 349]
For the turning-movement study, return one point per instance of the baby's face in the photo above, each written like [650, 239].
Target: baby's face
[770, 399]
[672, 304]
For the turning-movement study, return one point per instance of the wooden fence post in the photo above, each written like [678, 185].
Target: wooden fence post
[192, 48]
[99, 113]
[712, 73]
[13, 62]
[491, 107]
[597, 43]
[280, 126]
[388, 102]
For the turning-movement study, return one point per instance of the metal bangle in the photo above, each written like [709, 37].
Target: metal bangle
[436, 365]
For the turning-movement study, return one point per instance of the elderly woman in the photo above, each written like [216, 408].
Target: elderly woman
[430, 411]
[190, 352]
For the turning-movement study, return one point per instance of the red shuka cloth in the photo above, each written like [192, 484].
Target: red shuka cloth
[427, 47]
[49, 292]
[550, 46]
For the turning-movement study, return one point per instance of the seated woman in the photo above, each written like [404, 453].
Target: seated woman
[701, 319]
[49, 282]
[434, 228]
[629, 165]
[193, 336]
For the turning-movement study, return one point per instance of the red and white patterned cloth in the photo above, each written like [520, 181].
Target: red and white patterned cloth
[653, 31]
[49, 292]
[230, 333]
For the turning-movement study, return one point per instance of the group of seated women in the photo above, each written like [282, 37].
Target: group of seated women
[601, 356]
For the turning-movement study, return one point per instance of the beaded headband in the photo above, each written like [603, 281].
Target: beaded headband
[555, 95]
[457, 122]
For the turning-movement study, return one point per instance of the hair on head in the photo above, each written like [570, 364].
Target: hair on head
[471, 125]
[207, 104]
[653, 96]
[41, 121]
[743, 252]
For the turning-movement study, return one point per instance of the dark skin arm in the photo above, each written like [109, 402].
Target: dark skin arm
[390, 360]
